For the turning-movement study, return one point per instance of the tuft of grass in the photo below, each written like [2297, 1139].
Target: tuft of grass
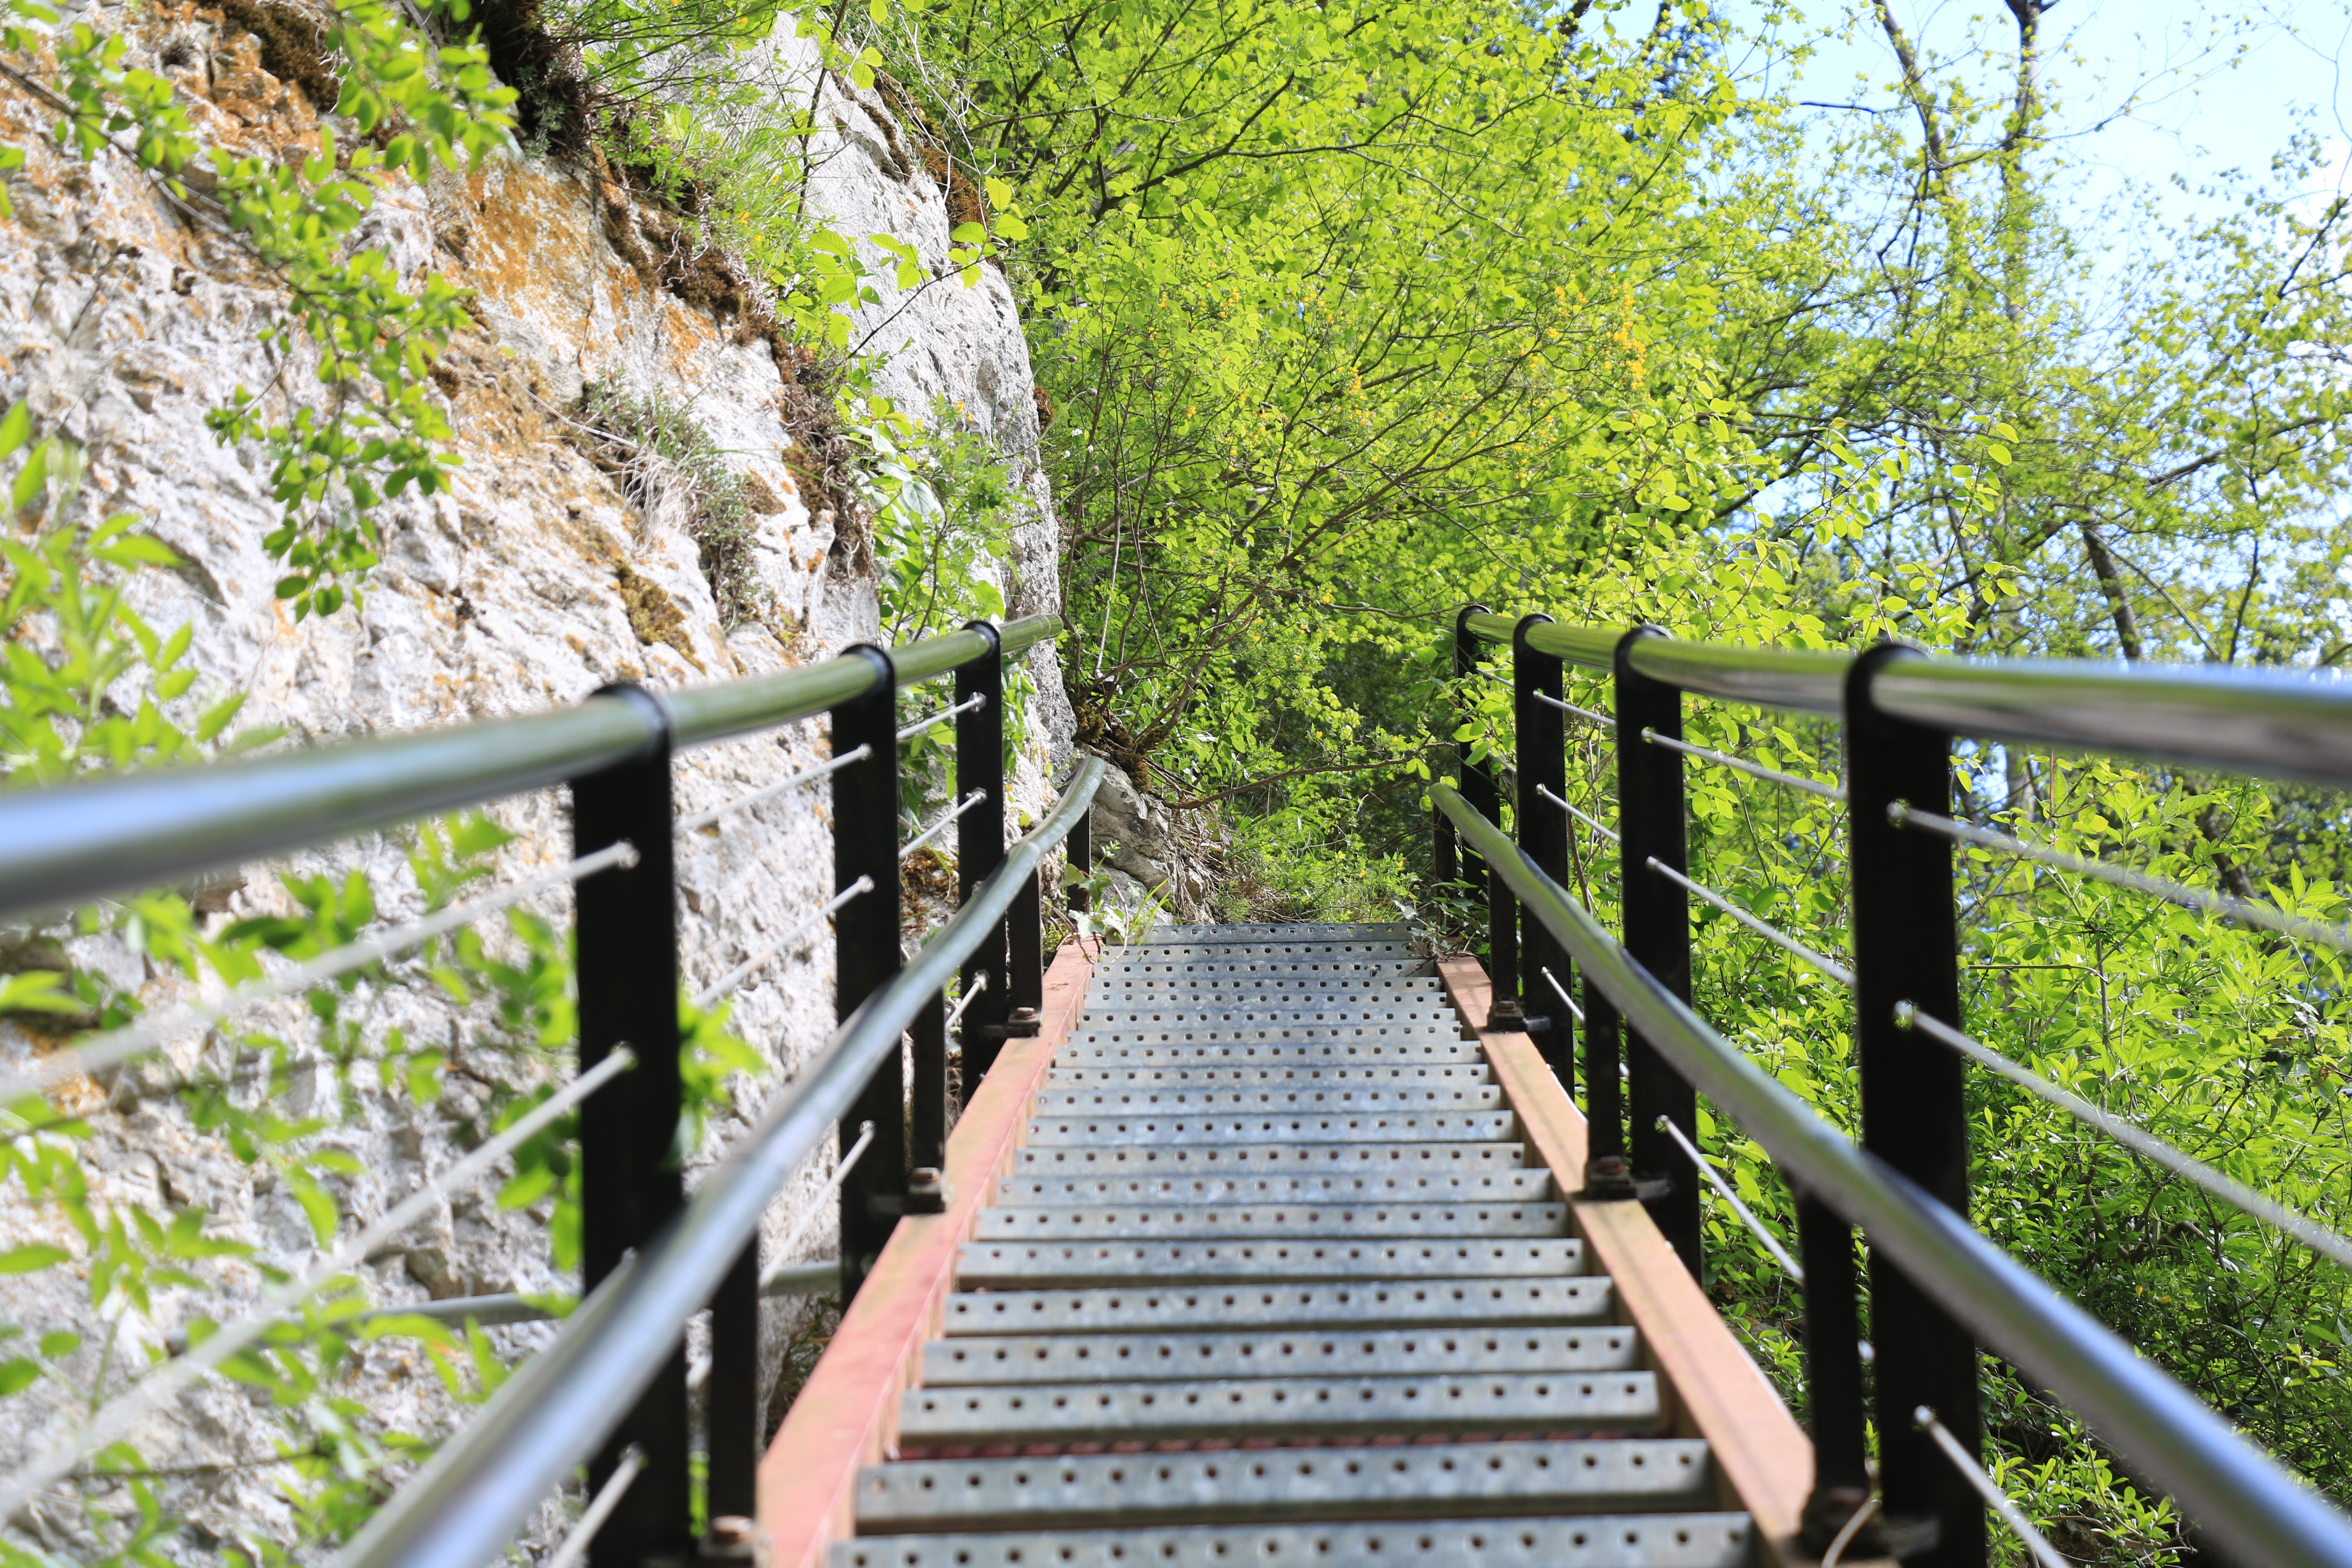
[661, 455]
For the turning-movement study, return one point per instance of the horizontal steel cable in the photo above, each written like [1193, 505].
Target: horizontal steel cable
[970, 704]
[1754, 770]
[1548, 700]
[1723, 1190]
[936, 828]
[2236, 1193]
[841, 1169]
[1561, 992]
[766, 955]
[1995, 1498]
[600, 1509]
[766, 792]
[1773, 934]
[117, 1418]
[1902, 813]
[1545, 791]
[118, 1046]
[970, 994]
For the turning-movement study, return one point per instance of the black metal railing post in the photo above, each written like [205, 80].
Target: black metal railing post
[1833, 1395]
[1913, 1110]
[732, 1403]
[1476, 779]
[1541, 767]
[867, 957]
[980, 849]
[1024, 956]
[1080, 857]
[1657, 934]
[629, 1183]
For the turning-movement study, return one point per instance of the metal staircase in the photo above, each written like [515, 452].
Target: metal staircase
[1274, 1279]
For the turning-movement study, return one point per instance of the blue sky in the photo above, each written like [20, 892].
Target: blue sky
[2151, 92]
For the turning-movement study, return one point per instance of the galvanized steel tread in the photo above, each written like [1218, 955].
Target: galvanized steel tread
[1169, 1306]
[1264, 991]
[1354, 966]
[1353, 1024]
[1070, 1077]
[1638, 1541]
[1187, 1222]
[1200, 1102]
[1285, 1099]
[1247, 951]
[1182, 1159]
[1240, 1409]
[1280, 930]
[1330, 1353]
[1123, 1262]
[1334, 1127]
[1530, 1186]
[1586, 1476]
[1149, 1042]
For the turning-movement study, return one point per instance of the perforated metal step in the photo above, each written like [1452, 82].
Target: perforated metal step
[1069, 1077]
[1387, 1352]
[1019, 1265]
[1480, 1480]
[1157, 1042]
[1184, 1221]
[1119, 958]
[1304, 1097]
[1533, 1186]
[1400, 1127]
[1288, 931]
[1270, 1158]
[1159, 969]
[1640, 1541]
[1169, 1307]
[1242, 1409]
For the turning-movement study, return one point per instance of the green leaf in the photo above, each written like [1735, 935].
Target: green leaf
[16, 1374]
[15, 428]
[59, 1343]
[38, 991]
[32, 1256]
[32, 479]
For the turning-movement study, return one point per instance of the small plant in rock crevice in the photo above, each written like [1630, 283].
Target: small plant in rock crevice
[663, 457]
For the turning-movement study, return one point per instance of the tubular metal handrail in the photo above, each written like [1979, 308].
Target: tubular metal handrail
[65, 846]
[466, 1505]
[2267, 723]
[2256, 1510]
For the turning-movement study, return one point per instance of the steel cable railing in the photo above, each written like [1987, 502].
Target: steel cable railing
[1901, 711]
[567, 1400]
[2246, 1200]
[83, 841]
[2239, 1495]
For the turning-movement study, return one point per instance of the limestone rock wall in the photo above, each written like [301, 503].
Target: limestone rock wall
[536, 579]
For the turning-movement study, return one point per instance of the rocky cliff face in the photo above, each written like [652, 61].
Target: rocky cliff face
[553, 565]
